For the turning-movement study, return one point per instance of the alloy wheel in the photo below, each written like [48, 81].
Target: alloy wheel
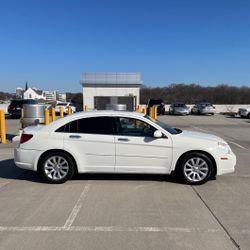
[196, 169]
[56, 167]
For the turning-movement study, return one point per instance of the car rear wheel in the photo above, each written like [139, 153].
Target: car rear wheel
[196, 168]
[57, 167]
[248, 116]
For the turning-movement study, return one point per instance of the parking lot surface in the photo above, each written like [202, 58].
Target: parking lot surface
[129, 211]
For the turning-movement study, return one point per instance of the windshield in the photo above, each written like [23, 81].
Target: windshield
[165, 126]
[181, 105]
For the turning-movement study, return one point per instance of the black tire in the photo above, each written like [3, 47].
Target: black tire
[248, 116]
[190, 174]
[67, 167]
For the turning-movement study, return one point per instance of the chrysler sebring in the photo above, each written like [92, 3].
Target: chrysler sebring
[121, 142]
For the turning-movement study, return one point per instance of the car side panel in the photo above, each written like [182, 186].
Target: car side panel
[94, 153]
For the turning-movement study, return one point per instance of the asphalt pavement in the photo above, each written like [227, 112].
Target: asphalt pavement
[129, 211]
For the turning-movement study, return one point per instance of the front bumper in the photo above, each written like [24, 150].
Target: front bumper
[226, 166]
[184, 112]
[207, 111]
[26, 158]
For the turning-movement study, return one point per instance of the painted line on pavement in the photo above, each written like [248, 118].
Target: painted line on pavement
[4, 184]
[198, 128]
[107, 229]
[236, 144]
[77, 207]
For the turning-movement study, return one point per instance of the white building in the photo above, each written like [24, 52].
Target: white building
[101, 89]
[34, 94]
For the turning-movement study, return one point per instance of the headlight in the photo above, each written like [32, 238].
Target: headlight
[222, 144]
[225, 147]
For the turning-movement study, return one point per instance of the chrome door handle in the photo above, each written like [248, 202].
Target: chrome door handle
[123, 139]
[75, 136]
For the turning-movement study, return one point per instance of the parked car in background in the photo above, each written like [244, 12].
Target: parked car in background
[203, 108]
[244, 112]
[121, 142]
[16, 106]
[158, 103]
[178, 108]
[65, 106]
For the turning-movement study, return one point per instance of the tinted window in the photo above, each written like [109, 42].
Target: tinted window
[155, 102]
[93, 125]
[96, 125]
[134, 127]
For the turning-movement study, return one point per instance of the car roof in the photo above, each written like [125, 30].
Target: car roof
[79, 115]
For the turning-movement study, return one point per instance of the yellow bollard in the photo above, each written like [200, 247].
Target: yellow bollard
[21, 113]
[151, 112]
[85, 108]
[69, 110]
[144, 110]
[53, 114]
[46, 116]
[155, 112]
[61, 112]
[2, 127]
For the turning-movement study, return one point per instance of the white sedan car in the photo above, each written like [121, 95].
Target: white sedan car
[65, 106]
[121, 142]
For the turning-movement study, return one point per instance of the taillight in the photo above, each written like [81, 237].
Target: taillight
[25, 138]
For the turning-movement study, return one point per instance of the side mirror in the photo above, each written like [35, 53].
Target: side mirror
[157, 134]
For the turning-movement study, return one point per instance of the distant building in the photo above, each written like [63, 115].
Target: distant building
[61, 97]
[50, 95]
[102, 89]
[32, 93]
[19, 93]
[55, 96]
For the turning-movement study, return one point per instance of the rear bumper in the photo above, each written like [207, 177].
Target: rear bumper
[26, 158]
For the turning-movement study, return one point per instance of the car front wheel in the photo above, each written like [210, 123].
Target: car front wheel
[196, 168]
[57, 167]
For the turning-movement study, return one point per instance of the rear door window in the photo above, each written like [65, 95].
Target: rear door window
[94, 125]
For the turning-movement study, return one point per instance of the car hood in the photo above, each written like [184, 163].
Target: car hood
[200, 136]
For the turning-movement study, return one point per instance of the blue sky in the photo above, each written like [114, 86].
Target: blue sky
[51, 43]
